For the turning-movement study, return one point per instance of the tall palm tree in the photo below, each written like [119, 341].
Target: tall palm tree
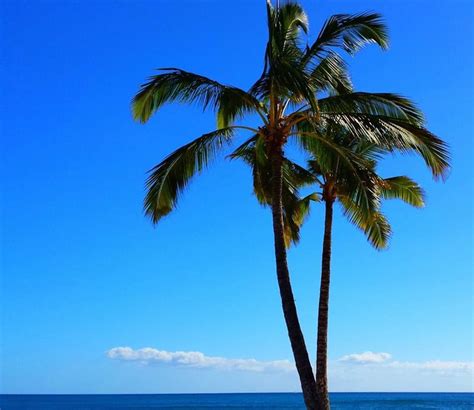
[285, 100]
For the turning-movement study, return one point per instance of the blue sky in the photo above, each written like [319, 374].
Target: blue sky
[83, 271]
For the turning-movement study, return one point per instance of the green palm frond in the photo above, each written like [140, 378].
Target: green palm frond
[169, 178]
[403, 188]
[246, 150]
[331, 75]
[350, 33]
[374, 224]
[327, 146]
[389, 121]
[357, 186]
[294, 177]
[182, 86]
[295, 212]
[370, 151]
[363, 191]
[387, 105]
[285, 26]
[314, 140]
[396, 135]
[432, 149]
[352, 172]
[252, 154]
[290, 20]
[282, 75]
[285, 80]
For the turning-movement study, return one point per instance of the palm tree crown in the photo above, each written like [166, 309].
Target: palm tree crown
[360, 193]
[293, 75]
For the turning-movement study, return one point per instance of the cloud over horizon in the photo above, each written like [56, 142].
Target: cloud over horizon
[436, 365]
[149, 355]
[366, 357]
[384, 360]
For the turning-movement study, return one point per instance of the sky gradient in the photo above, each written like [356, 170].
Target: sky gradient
[84, 273]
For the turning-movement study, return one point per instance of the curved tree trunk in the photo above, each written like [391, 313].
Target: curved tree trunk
[303, 364]
[322, 343]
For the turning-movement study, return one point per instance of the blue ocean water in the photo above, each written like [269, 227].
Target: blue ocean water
[339, 401]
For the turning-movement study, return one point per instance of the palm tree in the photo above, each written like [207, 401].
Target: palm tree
[361, 205]
[285, 100]
[354, 184]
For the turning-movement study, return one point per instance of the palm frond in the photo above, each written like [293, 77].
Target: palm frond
[295, 212]
[331, 75]
[353, 172]
[286, 24]
[314, 140]
[369, 150]
[382, 104]
[282, 76]
[432, 149]
[294, 177]
[403, 188]
[350, 33]
[285, 80]
[169, 178]
[178, 85]
[396, 135]
[374, 224]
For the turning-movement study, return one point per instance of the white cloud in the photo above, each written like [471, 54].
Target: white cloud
[367, 371]
[435, 365]
[149, 355]
[366, 357]
[384, 360]
[355, 374]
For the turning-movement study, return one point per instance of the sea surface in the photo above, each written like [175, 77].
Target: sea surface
[339, 401]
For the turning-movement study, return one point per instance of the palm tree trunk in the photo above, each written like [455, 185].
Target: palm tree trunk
[303, 364]
[322, 343]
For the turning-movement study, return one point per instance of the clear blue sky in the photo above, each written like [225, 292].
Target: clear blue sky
[84, 272]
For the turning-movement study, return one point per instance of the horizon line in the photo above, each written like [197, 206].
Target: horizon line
[196, 393]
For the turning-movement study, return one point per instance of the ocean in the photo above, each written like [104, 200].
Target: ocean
[339, 401]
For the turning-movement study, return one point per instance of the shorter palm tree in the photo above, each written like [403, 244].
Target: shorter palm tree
[359, 192]
[353, 183]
